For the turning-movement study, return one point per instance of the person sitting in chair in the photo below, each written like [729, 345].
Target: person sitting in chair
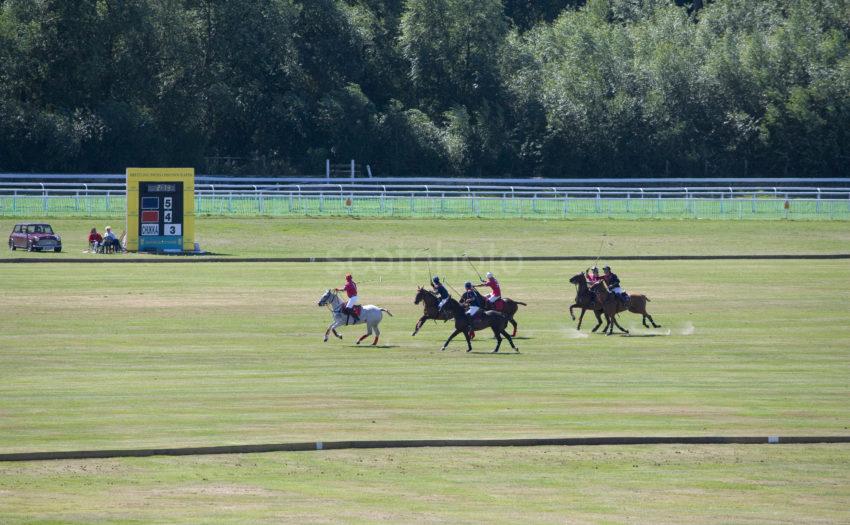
[95, 240]
[613, 283]
[110, 241]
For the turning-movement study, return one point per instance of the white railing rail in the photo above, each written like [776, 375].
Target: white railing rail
[48, 189]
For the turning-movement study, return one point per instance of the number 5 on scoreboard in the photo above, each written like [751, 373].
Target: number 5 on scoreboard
[173, 229]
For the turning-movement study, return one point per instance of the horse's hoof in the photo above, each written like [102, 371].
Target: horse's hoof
[442, 349]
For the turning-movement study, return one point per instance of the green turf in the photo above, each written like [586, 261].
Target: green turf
[486, 238]
[123, 356]
[656, 484]
[497, 206]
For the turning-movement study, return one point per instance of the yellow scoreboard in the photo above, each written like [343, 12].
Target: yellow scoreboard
[160, 209]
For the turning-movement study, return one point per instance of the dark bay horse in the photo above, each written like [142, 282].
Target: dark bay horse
[508, 310]
[488, 319]
[586, 300]
[602, 298]
[430, 301]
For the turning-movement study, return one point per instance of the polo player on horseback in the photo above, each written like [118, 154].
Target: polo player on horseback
[613, 284]
[591, 275]
[350, 288]
[495, 291]
[441, 291]
[472, 299]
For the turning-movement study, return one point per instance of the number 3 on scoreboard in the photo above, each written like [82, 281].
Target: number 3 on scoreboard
[174, 229]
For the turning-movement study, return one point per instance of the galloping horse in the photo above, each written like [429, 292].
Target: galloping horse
[606, 302]
[370, 314]
[586, 300]
[432, 311]
[491, 318]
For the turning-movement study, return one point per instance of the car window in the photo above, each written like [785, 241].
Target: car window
[47, 228]
[17, 228]
[31, 229]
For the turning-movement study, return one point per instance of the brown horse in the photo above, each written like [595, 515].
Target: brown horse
[611, 306]
[586, 300]
[430, 301]
[637, 304]
[489, 319]
[508, 310]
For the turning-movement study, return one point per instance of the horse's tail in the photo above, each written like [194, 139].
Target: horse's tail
[647, 298]
[388, 312]
[520, 302]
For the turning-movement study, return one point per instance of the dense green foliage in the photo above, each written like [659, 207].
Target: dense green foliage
[454, 87]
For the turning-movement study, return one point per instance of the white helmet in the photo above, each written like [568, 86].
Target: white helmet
[489, 275]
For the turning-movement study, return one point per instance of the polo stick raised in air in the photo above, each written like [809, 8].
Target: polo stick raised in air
[473, 267]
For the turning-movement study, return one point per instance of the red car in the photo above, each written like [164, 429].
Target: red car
[34, 236]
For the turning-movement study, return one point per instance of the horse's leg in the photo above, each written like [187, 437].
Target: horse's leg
[643, 320]
[651, 320]
[515, 326]
[511, 341]
[328, 331]
[498, 337]
[614, 318]
[335, 333]
[449, 340]
[367, 334]
[377, 335]
[419, 324]
[571, 312]
[598, 314]
[607, 321]
[580, 318]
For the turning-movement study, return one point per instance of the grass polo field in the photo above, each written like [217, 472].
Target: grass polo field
[112, 356]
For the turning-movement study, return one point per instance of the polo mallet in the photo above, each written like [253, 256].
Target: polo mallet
[473, 267]
[430, 274]
[452, 287]
[599, 252]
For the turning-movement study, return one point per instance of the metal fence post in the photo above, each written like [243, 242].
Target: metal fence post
[817, 203]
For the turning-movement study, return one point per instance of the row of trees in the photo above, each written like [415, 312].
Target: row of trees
[454, 87]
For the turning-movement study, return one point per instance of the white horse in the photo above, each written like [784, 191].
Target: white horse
[371, 315]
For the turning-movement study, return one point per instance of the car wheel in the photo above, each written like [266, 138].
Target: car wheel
[12, 245]
[57, 250]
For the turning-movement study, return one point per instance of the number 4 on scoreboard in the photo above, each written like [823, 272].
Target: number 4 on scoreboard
[173, 229]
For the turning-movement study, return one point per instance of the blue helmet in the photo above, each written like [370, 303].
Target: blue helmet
[436, 280]
[468, 285]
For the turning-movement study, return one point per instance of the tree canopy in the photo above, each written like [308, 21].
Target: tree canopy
[596, 88]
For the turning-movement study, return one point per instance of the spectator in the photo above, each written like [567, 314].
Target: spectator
[110, 241]
[95, 240]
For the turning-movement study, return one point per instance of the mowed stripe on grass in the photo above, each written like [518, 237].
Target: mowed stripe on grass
[199, 355]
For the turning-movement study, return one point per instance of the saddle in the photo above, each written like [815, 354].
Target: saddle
[498, 306]
[355, 310]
